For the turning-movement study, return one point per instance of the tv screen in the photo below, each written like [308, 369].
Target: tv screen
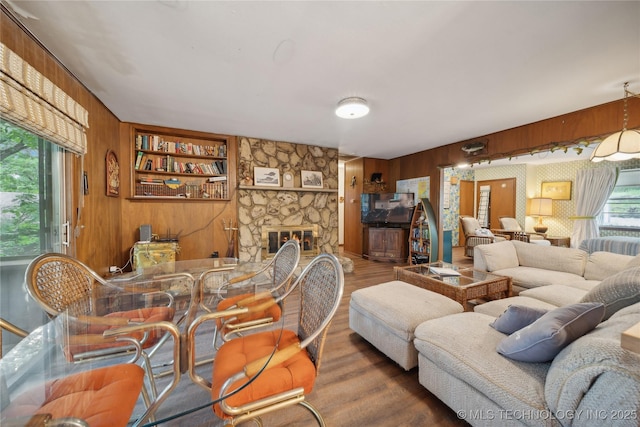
[386, 208]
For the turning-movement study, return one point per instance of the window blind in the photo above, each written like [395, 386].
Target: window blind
[32, 101]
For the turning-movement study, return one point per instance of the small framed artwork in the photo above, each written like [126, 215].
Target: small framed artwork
[311, 179]
[266, 176]
[113, 174]
[556, 190]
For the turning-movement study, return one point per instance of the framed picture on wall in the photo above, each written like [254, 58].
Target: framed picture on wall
[311, 179]
[113, 174]
[266, 176]
[556, 190]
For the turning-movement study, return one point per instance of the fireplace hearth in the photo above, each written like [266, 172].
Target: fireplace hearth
[273, 237]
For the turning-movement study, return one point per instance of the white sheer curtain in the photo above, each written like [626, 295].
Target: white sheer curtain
[593, 188]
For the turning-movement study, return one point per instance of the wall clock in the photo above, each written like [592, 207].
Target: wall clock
[287, 179]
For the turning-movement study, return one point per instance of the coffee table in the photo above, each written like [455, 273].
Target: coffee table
[468, 286]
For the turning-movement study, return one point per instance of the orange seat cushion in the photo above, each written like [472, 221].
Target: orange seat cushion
[141, 315]
[297, 371]
[273, 311]
[103, 397]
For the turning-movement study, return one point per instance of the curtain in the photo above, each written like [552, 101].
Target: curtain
[593, 188]
[32, 101]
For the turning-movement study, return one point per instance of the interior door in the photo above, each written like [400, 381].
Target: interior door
[502, 199]
[466, 206]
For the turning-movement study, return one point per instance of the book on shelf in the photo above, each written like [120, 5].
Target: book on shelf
[441, 271]
[138, 159]
[216, 178]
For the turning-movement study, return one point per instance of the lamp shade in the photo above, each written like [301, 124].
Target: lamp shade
[540, 206]
[622, 145]
[352, 108]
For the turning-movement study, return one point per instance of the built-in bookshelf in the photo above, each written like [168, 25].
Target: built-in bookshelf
[423, 236]
[180, 165]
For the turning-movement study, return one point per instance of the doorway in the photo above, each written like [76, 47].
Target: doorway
[502, 199]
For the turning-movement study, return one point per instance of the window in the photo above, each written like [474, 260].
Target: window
[623, 207]
[32, 183]
[31, 190]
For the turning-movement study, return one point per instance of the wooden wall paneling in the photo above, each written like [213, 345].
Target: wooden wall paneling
[100, 227]
[353, 229]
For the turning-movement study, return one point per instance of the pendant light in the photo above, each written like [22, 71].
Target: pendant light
[621, 145]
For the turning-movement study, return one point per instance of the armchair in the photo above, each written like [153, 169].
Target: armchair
[511, 224]
[511, 227]
[476, 235]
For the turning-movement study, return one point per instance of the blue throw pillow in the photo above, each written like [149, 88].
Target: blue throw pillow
[542, 340]
[516, 317]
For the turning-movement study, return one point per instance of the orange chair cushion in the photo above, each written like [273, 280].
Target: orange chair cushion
[103, 397]
[297, 371]
[141, 315]
[273, 311]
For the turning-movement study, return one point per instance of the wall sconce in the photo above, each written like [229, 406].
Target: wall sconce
[353, 181]
[453, 180]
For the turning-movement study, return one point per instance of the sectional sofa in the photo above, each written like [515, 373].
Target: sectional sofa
[560, 361]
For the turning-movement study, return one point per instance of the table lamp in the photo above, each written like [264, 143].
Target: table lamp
[539, 206]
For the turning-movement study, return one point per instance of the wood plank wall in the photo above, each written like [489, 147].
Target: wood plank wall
[99, 226]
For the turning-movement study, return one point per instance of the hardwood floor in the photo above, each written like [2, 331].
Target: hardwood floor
[357, 385]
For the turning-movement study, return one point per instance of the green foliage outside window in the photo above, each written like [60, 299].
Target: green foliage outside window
[19, 192]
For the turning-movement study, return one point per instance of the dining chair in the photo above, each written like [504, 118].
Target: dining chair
[101, 397]
[5, 325]
[276, 277]
[91, 307]
[270, 370]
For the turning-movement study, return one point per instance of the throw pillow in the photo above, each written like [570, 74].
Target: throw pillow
[484, 232]
[542, 340]
[617, 291]
[516, 317]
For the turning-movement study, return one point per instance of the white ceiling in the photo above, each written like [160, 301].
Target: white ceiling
[434, 73]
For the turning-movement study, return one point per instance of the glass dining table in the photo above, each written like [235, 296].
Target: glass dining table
[195, 285]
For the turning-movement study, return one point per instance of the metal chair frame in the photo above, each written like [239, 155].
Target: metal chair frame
[321, 286]
[61, 284]
[281, 269]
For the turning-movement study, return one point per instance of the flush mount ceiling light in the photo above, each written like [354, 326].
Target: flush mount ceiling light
[352, 108]
[621, 145]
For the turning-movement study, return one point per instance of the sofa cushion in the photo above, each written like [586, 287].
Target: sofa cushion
[558, 295]
[531, 277]
[601, 265]
[542, 340]
[633, 262]
[551, 257]
[496, 307]
[617, 291]
[585, 285]
[447, 342]
[595, 373]
[498, 256]
[516, 317]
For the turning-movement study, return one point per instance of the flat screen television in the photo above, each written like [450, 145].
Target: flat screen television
[386, 208]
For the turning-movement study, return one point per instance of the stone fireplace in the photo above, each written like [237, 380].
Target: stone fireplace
[274, 237]
[286, 210]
